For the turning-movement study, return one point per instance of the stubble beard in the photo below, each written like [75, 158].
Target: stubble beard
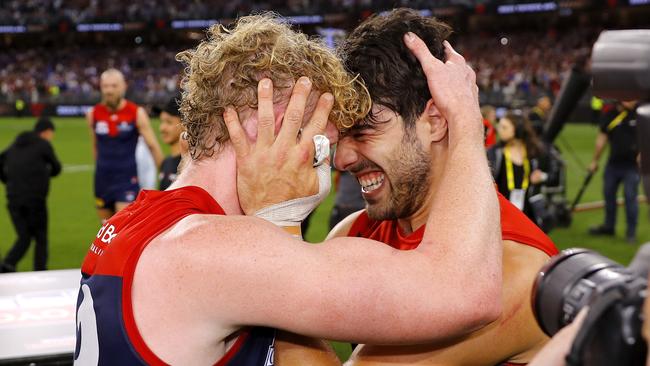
[408, 175]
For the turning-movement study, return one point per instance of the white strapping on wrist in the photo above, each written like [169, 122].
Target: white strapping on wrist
[293, 212]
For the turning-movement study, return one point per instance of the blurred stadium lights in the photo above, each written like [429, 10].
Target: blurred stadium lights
[527, 8]
[100, 27]
[193, 24]
[13, 29]
[305, 19]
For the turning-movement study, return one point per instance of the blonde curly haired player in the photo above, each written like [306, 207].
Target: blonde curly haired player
[224, 69]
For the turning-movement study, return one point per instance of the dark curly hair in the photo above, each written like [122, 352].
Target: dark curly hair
[376, 51]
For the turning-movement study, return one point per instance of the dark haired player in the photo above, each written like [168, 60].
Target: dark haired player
[399, 154]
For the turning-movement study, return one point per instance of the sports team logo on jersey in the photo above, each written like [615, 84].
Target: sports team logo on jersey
[101, 128]
[125, 127]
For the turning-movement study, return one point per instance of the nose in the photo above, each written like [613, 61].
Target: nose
[345, 154]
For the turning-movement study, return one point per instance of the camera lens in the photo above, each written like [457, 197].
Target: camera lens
[568, 282]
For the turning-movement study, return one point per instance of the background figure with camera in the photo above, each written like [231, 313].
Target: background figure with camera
[519, 167]
[618, 128]
[601, 304]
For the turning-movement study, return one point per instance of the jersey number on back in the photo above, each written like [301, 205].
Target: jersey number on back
[87, 339]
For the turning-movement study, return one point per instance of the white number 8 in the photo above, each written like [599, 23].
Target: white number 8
[87, 330]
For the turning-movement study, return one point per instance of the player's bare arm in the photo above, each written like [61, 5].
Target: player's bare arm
[144, 127]
[91, 127]
[351, 254]
[514, 337]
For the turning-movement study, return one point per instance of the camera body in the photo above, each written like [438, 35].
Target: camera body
[576, 278]
[611, 333]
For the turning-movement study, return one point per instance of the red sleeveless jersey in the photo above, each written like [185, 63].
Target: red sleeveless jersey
[515, 226]
[107, 122]
[106, 329]
[116, 137]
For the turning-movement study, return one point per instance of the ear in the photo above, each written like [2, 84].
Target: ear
[434, 122]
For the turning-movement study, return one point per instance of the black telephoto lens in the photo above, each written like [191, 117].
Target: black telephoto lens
[611, 333]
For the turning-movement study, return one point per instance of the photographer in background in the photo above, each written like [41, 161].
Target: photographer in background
[618, 128]
[26, 167]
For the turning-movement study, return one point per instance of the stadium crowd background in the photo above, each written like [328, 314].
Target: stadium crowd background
[53, 51]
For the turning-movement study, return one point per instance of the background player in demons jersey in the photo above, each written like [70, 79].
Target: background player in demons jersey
[188, 276]
[399, 154]
[115, 125]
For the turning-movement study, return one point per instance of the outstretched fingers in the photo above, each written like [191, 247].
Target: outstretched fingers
[237, 135]
[295, 112]
[265, 117]
[420, 50]
[452, 55]
[319, 119]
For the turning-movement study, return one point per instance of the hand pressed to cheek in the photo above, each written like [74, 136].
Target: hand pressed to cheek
[249, 120]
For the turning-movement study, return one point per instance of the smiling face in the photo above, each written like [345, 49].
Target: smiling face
[170, 128]
[390, 162]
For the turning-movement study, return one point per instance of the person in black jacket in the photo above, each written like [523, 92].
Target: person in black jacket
[618, 129]
[26, 167]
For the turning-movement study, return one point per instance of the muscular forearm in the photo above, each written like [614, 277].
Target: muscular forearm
[464, 228]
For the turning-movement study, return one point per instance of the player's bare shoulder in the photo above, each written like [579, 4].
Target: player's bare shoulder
[520, 257]
[343, 227]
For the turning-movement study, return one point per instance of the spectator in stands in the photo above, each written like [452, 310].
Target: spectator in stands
[26, 168]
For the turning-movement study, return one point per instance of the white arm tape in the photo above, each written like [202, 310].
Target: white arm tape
[292, 212]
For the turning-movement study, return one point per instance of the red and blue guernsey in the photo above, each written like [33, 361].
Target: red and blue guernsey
[515, 226]
[116, 137]
[106, 329]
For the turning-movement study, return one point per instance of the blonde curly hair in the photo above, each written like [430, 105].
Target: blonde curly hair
[225, 69]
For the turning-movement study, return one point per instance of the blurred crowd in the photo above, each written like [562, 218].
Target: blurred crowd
[23, 12]
[515, 70]
[71, 74]
[511, 70]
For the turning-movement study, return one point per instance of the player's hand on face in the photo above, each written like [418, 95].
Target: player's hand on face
[277, 168]
[453, 88]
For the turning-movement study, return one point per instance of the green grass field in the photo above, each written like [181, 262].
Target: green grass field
[73, 222]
